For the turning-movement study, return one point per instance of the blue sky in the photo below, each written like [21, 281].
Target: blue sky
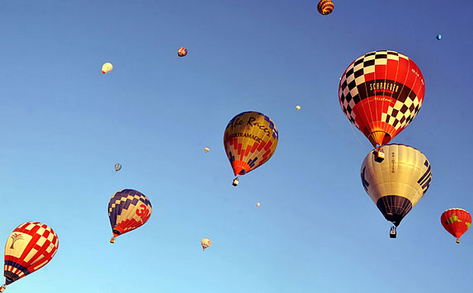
[64, 126]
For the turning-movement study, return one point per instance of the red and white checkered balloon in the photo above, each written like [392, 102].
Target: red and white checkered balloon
[30, 247]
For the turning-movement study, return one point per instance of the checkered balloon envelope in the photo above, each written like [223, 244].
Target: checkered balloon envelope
[30, 247]
[380, 93]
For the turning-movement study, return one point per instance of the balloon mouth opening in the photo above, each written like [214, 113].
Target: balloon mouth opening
[379, 137]
[10, 277]
[117, 231]
[240, 168]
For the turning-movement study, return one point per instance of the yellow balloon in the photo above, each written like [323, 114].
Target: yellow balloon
[107, 67]
[258, 204]
[298, 107]
[205, 242]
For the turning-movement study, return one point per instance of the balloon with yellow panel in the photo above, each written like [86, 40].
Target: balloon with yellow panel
[250, 140]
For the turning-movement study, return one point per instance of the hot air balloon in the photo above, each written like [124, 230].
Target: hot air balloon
[128, 209]
[325, 7]
[30, 247]
[439, 37]
[118, 167]
[206, 150]
[205, 242]
[107, 67]
[456, 222]
[250, 140]
[182, 52]
[298, 107]
[258, 204]
[397, 183]
[381, 92]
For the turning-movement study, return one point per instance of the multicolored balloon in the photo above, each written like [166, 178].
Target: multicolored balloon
[205, 242]
[381, 92]
[182, 52]
[397, 183]
[118, 167]
[456, 221]
[250, 140]
[107, 67]
[325, 7]
[128, 209]
[439, 37]
[206, 150]
[30, 247]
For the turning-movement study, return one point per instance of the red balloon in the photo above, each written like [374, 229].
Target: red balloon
[456, 222]
[381, 92]
[30, 247]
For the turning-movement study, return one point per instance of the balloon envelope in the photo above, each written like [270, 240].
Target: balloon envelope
[325, 7]
[118, 167]
[107, 67]
[205, 242]
[439, 37]
[128, 209]
[397, 183]
[456, 221]
[380, 93]
[250, 140]
[206, 150]
[30, 247]
[181, 52]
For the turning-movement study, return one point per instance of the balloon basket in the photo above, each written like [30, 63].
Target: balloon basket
[379, 156]
[112, 240]
[2, 288]
[235, 182]
[392, 232]
[458, 242]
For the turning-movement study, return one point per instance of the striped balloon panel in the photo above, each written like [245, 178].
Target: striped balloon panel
[397, 183]
[30, 247]
[128, 209]
[325, 7]
[456, 221]
[380, 93]
[250, 140]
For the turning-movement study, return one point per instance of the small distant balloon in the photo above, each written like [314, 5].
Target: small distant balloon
[439, 37]
[325, 7]
[107, 67]
[206, 150]
[205, 242]
[118, 167]
[182, 52]
[298, 107]
[258, 204]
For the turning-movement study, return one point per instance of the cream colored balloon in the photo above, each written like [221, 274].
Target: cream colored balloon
[107, 67]
[397, 183]
[205, 242]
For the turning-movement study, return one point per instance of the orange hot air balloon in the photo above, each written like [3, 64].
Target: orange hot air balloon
[456, 222]
[182, 51]
[325, 7]
[250, 140]
[380, 93]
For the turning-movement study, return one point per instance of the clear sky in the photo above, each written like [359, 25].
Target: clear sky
[63, 126]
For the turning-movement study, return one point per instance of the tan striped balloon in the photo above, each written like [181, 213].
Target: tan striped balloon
[325, 7]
